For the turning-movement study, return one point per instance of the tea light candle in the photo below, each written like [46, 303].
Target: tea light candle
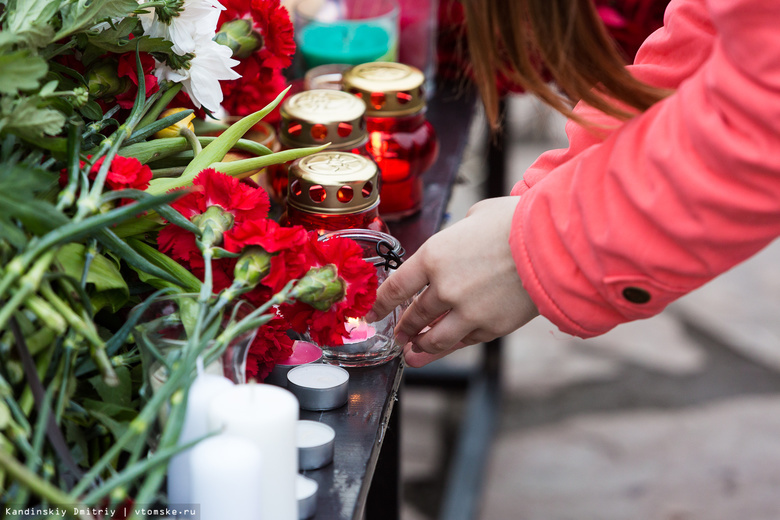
[357, 331]
[226, 478]
[315, 445]
[202, 391]
[347, 42]
[303, 352]
[267, 416]
[319, 387]
[306, 490]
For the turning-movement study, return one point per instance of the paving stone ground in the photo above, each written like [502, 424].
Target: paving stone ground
[672, 418]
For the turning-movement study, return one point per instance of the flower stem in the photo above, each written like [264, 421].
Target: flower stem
[192, 139]
[38, 486]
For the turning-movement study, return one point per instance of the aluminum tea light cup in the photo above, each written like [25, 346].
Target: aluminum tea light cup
[306, 493]
[315, 442]
[319, 387]
[303, 352]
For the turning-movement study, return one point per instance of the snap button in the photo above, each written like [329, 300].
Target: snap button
[636, 295]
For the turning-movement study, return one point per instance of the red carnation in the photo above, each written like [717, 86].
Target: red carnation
[212, 188]
[261, 78]
[124, 173]
[359, 277]
[271, 345]
[126, 68]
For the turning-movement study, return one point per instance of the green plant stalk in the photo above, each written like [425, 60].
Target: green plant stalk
[131, 473]
[142, 132]
[69, 346]
[86, 329]
[192, 140]
[125, 130]
[146, 416]
[161, 173]
[34, 459]
[168, 439]
[68, 195]
[74, 230]
[46, 313]
[38, 486]
[19, 439]
[16, 411]
[175, 151]
[42, 362]
[161, 104]
[215, 151]
[244, 167]
[28, 285]
[247, 323]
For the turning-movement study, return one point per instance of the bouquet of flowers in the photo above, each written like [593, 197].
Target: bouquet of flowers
[109, 200]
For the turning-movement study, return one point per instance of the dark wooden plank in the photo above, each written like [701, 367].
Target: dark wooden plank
[360, 429]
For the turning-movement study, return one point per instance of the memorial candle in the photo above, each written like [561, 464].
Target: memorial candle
[350, 42]
[202, 391]
[357, 331]
[227, 475]
[303, 352]
[268, 416]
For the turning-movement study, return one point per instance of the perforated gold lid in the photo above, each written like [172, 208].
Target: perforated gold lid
[335, 183]
[387, 88]
[314, 117]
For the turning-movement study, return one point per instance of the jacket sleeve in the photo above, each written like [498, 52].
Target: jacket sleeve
[669, 56]
[673, 197]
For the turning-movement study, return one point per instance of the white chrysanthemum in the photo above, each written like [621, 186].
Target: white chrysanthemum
[197, 19]
[211, 64]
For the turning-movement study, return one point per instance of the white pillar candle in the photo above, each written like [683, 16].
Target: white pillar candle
[201, 392]
[227, 473]
[268, 416]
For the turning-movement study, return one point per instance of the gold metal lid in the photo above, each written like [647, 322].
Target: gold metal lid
[387, 88]
[335, 183]
[315, 117]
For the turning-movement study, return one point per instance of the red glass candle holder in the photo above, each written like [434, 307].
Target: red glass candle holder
[400, 138]
[331, 191]
[313, 118]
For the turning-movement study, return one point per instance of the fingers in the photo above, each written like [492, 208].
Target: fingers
[424, 310]
[443, 336]
[417, 359]
[405, 282]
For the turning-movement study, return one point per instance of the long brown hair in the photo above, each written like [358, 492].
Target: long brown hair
[558, 50]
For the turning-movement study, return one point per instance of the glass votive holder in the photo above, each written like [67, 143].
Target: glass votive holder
[346, 31]
[369, 344]
[325, 77]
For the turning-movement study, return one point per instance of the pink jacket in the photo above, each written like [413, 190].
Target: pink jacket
[615, 228]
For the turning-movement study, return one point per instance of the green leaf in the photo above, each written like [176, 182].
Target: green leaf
[116, 39]
[109, 286]
[119, 412]
[186, 279]
[215, 151]
[117, 429]
[21, 71]
[119, 395]
[24, 118]
[30, 25]
[139, 226]
[82, 14]
[91, 110]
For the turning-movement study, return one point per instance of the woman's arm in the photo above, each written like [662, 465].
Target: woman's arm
[675, 197]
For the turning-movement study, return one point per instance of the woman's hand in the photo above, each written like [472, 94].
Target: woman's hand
[471, 292]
